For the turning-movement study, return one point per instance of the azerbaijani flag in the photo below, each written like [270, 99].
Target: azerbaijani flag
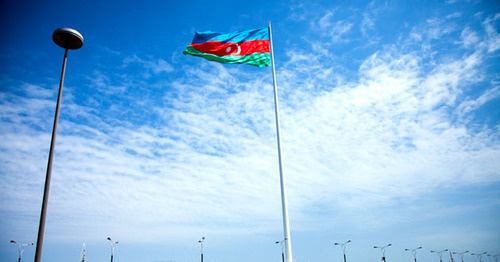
[243, 47]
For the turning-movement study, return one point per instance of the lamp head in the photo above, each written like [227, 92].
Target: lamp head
[67, 38]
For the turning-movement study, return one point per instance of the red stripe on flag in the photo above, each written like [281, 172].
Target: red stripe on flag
[238, 49]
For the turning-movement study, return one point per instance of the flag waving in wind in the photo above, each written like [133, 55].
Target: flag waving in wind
[244, 47]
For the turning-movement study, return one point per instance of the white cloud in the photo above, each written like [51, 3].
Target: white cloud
[469, 37]
[157, 66]
[491, 29]
[335, 29]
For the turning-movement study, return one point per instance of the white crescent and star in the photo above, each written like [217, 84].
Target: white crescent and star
[229, 49]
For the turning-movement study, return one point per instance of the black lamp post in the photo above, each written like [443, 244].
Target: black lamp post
[113, 243]
[282, 251]
[461, 254]
[343, 248]
[440, 254]
[66, 38]
[479, 256]
[201, 243]
[382, 249]
[414, 251]
[20, 248]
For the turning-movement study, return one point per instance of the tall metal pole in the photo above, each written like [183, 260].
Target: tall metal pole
[68, 39]
[286, 226]
[41, 228]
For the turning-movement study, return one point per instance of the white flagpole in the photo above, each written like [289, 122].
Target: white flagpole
[286, 226]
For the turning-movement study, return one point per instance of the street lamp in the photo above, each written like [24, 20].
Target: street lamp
[494, 256]
[479, 256]
[440, 254]
[66, 38]
[113, 243]
[343, 247]
[20, 248]
[383, 250]
[282, 250]
[201, 243]
[414, 251]
[461, 254]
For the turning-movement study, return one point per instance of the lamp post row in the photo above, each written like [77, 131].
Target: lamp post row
[343, 246]
[414, 252]
[22, 246]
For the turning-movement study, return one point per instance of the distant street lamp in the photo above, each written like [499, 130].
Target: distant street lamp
[113, 243]
[440, 254]
[201, 243]
[282, 250]
[383, 250]
[461, 254]
[479, 256]
[20, 248]
[343, 247]
[66, 38]
[495, 257]
[414, 251]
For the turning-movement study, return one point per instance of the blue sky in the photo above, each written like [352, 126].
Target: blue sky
[390, 125]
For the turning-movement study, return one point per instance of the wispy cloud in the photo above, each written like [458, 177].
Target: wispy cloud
[333, 28]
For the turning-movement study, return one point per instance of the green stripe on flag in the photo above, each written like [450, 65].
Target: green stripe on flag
[255, 59]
